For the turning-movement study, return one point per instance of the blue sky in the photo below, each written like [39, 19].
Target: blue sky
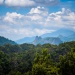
[26, 18]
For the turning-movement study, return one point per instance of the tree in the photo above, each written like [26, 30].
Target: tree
[43, 64]
[67, 63]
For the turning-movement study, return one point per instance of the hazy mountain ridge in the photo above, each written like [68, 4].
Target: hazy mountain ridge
[4, 40]
[25, 40]
[64, 32]
[72, 37]
[56, 37]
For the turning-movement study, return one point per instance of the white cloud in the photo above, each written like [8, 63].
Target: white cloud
[35, 10]
[42, 31]
[30, 3]
[62, 18]
[31, 32]
[39, 10]
[19, 3]
[57, 15]
[37, 13]
[11, 17]
[70, 16]
[1, 1]
[15, 34]
[35, 17]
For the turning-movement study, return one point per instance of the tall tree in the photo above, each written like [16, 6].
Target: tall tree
[43, 64]
[67, 63]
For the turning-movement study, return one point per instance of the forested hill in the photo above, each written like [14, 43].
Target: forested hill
[4, 40]
[28, 59]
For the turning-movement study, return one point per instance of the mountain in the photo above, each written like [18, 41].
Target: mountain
[64, 32]
[50, 40]
[56, 37]
[63, 38]
[68, 38]
[65, 35]
[25, 40]
[71, 37]
[37, 40]
[4, 40]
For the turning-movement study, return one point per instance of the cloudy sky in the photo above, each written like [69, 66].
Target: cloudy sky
[26, 18]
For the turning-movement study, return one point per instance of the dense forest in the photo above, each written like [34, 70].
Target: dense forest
[47, 59]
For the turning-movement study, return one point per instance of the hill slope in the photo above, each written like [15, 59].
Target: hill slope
[4, 40]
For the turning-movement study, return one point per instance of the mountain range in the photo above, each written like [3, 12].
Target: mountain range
[56, 37]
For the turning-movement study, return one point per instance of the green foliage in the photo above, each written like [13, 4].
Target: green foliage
[67, 63]
[43, 64]
[4, 63]
[14, 73]
[28, 73]
[21, 59]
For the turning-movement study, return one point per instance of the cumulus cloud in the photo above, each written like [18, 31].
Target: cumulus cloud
[37, 22]
[37, 13]
[19, 3]
[62, 18]
[39, 10]
[64, 14]
[30, 3]
[1, 1]
[11, 17]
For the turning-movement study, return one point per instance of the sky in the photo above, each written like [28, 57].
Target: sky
[27, 18]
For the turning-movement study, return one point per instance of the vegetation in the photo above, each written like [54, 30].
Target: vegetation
[28, 59]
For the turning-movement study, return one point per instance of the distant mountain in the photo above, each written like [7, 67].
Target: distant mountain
[56, 37]
[63, 32]
[71, 37]
[4, 40]
[63, 38]
[65, 35]
[37, 40]
[50, 40]
[25, 40]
